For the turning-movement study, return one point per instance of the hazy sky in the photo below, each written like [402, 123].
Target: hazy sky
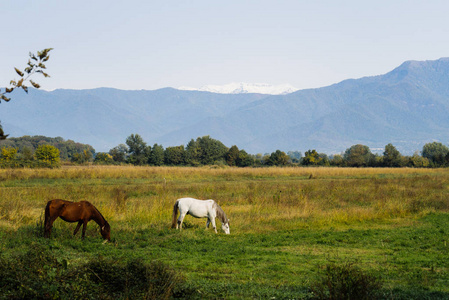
[141, 44]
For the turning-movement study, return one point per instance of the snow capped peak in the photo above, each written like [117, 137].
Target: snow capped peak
[245, 88]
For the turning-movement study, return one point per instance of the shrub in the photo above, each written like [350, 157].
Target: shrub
[38, 274]
[31, 275]
[346, 282]
[48, 156]
[8, 154]
[103, 158]
[134, 280]
[81, 158]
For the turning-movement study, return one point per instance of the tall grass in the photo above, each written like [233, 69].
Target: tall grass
[254, 199]
[286, 224]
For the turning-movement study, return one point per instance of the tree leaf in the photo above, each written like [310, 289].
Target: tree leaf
[19, 72]
[33, 56]
[34, 84]
[3, 97]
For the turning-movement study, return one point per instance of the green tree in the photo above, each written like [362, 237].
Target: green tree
[391, 157]
[205, 151]
[193, 153]
[245, 160]
[418, 161]
[8, 157]
[278, 158]
[35, 65]
[337, 160]
[137, 150]
[47, 156]
[311, 158]
[232, 156]
[103, 158]
[174, 156]
[118, 153]
[324, 159]
[27, 153]
[81, 158]
[436, 153]
[156, 155]
[8, 154]
[358, 156]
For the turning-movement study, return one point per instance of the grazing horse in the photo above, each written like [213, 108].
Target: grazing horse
[200, 209]
[81, 212]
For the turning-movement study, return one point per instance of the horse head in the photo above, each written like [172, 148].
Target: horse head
[106, 231]
[225, 227]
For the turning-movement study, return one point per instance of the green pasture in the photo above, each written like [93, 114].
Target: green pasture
[289, 227]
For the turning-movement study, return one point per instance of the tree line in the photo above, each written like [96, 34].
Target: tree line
[208, 151]
[41, 151]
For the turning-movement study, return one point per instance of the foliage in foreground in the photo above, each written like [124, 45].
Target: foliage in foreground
[347, 282]
[38, 274]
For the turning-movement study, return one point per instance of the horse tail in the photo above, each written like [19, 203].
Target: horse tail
[175, 214]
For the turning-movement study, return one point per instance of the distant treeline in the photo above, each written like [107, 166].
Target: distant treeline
[38, 151]
[208, 151]
[44, 151]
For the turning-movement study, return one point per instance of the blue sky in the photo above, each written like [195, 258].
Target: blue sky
[137, 44]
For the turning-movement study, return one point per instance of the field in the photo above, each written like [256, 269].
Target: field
[290, 227]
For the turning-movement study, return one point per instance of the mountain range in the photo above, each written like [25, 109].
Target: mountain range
[407, 107]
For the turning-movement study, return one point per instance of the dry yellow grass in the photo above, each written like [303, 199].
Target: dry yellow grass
[256, 199]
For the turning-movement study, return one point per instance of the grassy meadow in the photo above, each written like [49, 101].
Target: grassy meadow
[289, 228]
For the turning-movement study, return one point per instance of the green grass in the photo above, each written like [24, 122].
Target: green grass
[287, 229]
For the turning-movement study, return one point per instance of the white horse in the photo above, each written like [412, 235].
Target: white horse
[199, 209]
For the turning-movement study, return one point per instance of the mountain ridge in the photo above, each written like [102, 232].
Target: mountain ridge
[408, 107]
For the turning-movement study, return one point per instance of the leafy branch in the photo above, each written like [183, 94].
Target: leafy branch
[35, 65]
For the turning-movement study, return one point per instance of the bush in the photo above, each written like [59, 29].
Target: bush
[38, 274]
[346, 282]
[47, 156]
[134, 280]
[31, 275]
[103, 158]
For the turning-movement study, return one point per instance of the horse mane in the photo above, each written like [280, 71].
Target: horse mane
[220, 213]
[96, 209]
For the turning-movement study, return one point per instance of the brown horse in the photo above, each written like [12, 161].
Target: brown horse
[81, 212]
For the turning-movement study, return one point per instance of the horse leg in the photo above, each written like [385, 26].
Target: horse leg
[48, 225]
[213, 225]
[207, 223]
[77, 227]
[84, 229]
[180, 220]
